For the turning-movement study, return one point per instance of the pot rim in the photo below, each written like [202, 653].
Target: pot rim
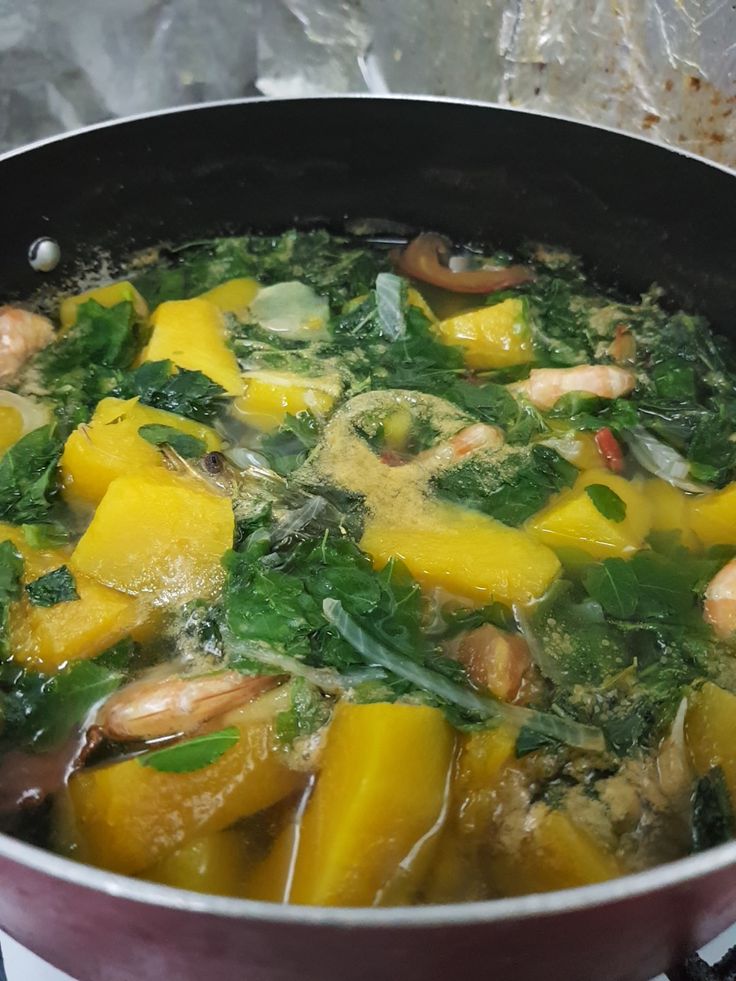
[362, 97]
[399, 917]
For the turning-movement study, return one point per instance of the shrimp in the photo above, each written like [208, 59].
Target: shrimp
[469, 440]
[495, 660]
[720, 601]
[21, 334]
[176, 705]
[545, 386]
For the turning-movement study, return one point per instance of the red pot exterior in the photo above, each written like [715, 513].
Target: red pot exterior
[99, 937]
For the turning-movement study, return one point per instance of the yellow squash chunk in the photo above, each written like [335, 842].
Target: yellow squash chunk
[415, 299]
[214, 863]
[466, 553]
[573, 521]
[233, 296]
[127, 816]
[710, 732]
[556, 855]
[270, 395]
[109, 446]
[482, 758]
[157, 533]
[493, 337]
[45, 638]
[380, 792]
[191, 333]
[713, 516]
[669, 509]
[11, 427]
[106, 296]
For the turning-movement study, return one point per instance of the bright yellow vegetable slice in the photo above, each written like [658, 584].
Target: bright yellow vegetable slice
[710, 731]
[572, 520]
[466, 553]
[233, 296]
[191, 333]
[106, 296]
[713, 516]
[126, 817]
[670, 510]
[157, 533]
[380, 793]
[109, 446]
[270, 395]
[496, 336]
[11, 427]
[45, 638]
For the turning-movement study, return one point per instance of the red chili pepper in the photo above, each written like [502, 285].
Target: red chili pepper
[610, 449]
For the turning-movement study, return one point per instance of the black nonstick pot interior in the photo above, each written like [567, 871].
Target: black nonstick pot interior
[636, 212]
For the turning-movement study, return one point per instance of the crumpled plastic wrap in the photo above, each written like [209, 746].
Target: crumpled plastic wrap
[662, 68]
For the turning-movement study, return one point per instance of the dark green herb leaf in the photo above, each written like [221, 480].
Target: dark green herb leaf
[178, 390]
[712, 812]
[288, 447]
[194, 754]
[182, 443]
[529, 741]
[52, 588]
[614, 585]
[607, 502]
[27, 477]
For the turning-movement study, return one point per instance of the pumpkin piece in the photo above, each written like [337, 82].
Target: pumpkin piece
[191, 333]
[383, 780]
[496, 336]
[154, 532]
[465, 552]
[106, 296]
[109, 446]
[127, 817]
[233, 296]
[572, 520]
[270, 396]
[713, 516]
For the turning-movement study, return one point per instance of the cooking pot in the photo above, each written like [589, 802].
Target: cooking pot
[637, 213]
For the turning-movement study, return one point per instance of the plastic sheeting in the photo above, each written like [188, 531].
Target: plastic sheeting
[664, 68]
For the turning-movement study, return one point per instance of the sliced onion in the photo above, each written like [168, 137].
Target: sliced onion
[662, 460]
[33, 414]
[292, 310]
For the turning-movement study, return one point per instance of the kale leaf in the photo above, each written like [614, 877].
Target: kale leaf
[712, 821]
[178, 390]
[511, 489]
[52, 588]
[27, 477]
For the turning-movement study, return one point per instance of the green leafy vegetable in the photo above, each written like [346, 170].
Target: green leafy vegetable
[712, 821]
[54, 587]
[308, 711]
[178, 390]
[182, 443]
[584, 737]
[194, 754]
[288, 447]
[607, 502]
[45, 536]
[614, 585]
[27, 477]
[511, 489]
[11, 570]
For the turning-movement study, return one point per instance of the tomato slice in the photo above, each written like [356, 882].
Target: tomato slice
[610, 449]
